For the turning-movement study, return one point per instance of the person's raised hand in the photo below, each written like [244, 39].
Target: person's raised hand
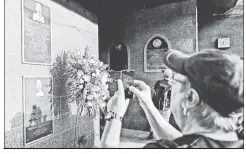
[118, 103]
[143, 93]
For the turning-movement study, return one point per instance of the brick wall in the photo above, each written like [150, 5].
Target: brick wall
[70, 31]
[175, 21]
[231, 27]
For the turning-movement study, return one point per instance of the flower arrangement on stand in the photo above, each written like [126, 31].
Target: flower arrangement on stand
[87, 83]
[82, 79]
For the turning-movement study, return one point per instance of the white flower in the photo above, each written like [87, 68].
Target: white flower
[87, 78]
[92, 61]
[95, 95]
[104, 97]
[89, 86]
[104, 81]
[96, 88]
[86, 67]
[81, 81]
[85, 93]
[89, 104]
[105, 92]
[90, 97]
[97, 71]
[93, 74]
[101, 64]
[84, 61]
[79, 73]
[102, 104]
[81, 86]
[105, 75]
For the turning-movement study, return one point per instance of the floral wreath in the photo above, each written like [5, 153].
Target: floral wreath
[87, 83]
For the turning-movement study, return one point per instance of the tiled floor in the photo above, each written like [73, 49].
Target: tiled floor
[134, 138]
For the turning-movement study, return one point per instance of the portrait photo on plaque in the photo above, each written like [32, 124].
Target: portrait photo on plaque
[38, 117]
[153, 54]
[36, 33]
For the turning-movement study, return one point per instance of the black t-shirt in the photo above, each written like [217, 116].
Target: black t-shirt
[194, 141]
[161, 86]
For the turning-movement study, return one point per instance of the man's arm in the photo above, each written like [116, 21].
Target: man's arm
[111, 134]
[161, 128]
[118, 105]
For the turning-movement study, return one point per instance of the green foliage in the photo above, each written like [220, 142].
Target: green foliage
[59, 73]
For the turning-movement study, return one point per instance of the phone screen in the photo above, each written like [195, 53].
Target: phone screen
[127, 77]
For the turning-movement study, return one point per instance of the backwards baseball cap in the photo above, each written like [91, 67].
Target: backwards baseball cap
[217, 76]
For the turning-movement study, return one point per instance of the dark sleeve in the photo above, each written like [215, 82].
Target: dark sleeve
[169, 94]
[156, 85]
[161, 144]
[31, 117]
[168, 89]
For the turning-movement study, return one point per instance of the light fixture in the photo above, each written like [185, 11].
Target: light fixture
[157, 43]
[118, 47]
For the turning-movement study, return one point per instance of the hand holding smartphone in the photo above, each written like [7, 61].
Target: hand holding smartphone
[127, 77]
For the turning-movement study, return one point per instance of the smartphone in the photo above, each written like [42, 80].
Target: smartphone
[127, 77]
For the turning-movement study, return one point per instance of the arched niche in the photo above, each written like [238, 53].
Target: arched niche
[153, 53]
[119, 56]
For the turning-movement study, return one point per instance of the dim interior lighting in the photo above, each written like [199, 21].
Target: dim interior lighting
[118, 47]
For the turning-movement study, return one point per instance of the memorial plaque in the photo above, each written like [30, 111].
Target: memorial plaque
[36, 33]
[153, 54]
[155, 60]
[38, 116]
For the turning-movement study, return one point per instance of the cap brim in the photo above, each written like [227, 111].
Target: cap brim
[175, 60]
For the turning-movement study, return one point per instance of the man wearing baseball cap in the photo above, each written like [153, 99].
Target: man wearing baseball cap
[207, 103]
[207, 100]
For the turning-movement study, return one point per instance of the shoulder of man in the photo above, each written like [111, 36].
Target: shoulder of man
[157, 84]
[161, 144]
[165, 84]
[164, 81]
[182, 142]
[194, 141]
